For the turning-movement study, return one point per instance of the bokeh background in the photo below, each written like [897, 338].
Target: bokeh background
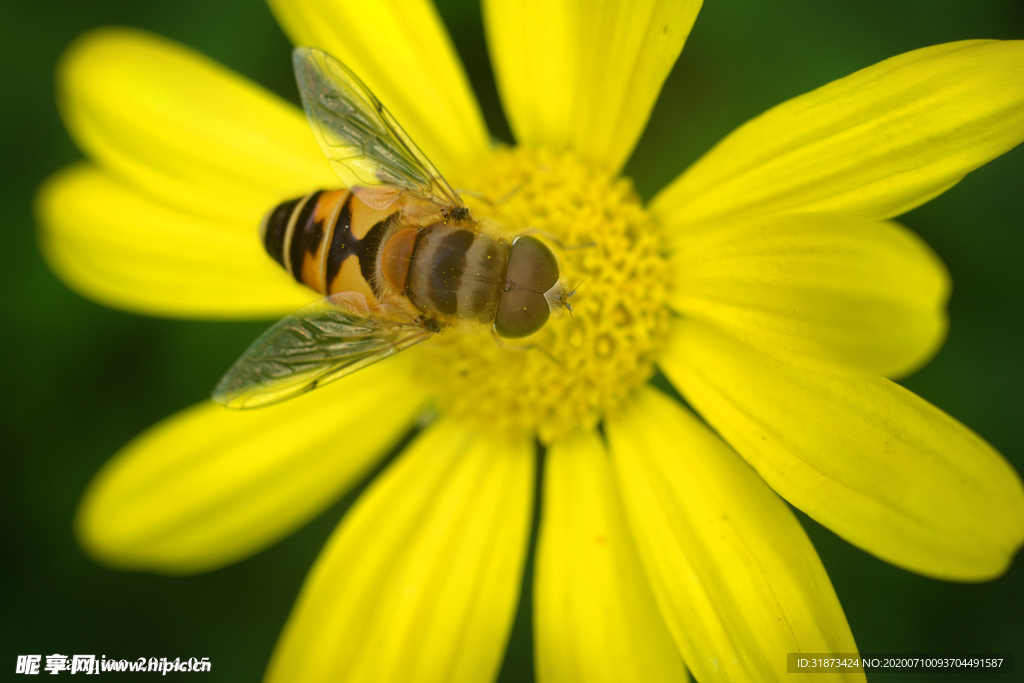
[78, 380]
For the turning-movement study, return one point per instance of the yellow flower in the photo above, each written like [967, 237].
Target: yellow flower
[766, 282]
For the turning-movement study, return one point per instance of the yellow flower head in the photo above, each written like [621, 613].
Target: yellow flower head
[767, 283]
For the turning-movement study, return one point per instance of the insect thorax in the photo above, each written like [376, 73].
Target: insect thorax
[457, 273]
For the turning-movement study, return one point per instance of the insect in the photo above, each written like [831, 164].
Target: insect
[397, 255]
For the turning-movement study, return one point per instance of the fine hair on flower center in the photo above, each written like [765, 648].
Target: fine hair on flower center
[581, 365]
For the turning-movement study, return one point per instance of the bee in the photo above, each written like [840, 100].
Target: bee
[397, 254]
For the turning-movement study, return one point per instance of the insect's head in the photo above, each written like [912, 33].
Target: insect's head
[531, 289]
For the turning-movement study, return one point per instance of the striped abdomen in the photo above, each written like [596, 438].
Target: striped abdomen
[328, 240]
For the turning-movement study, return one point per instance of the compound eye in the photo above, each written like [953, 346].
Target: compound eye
[520, 313]
[532, 266]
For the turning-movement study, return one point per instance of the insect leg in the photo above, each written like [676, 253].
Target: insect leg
[522, 347]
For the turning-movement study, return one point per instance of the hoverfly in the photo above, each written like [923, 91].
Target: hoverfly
[397, 255]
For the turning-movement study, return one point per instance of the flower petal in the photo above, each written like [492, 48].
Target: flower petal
[878, 465]
[419, 583]
[828, 287]
[595, 617]
[184, 129]
[584, 76]
[878, 143]
[210, 486]
[402, 51]
[113, 244]
[738, 581]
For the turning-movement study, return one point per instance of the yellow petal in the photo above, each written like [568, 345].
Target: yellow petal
[210, 486]
[402, 52]
[877, 143]
[738, 581]
[114, 245]
[584, 76]
[595, 618]
[420, 581]
[184, 129]
[827, 287]
[871, 461]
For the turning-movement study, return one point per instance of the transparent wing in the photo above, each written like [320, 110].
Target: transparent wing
[319, 344]
[367, 147]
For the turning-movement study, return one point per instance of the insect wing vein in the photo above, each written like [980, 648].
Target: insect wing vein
[316, 345]
[365, 144]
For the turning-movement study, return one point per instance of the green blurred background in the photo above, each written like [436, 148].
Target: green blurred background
[80, 380]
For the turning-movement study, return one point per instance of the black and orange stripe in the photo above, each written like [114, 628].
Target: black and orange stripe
[329, 241]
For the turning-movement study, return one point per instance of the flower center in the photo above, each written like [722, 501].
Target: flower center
[581, 365]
